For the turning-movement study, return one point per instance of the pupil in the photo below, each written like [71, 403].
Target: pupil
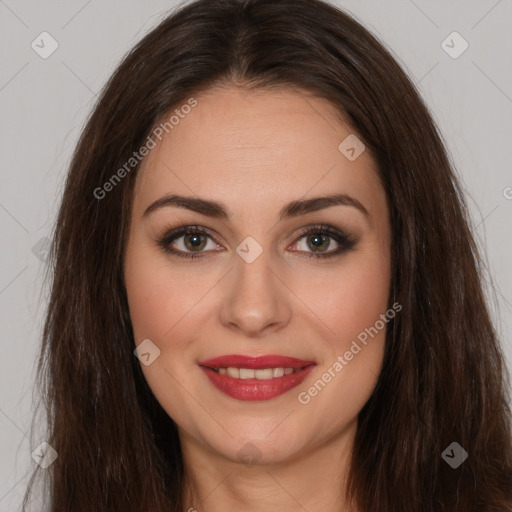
[194, 240]
[318, 240]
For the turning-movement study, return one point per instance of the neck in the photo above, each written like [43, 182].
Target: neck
[311, 480]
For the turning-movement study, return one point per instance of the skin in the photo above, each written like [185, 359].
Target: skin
[254, 152]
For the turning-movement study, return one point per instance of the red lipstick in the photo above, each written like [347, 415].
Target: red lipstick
[262, 377]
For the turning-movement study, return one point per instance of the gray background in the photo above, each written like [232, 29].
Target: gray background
[44, 102]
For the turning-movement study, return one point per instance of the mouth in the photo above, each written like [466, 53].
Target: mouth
[256, 378]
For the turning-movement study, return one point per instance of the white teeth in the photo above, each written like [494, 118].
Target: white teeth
[246, 373]
[261, 374]
[234, 372]
[278, 372]
[265, 374]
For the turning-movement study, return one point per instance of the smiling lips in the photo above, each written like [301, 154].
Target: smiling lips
[256, 378]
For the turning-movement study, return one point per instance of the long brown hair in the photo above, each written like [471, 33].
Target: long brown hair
[443, 378]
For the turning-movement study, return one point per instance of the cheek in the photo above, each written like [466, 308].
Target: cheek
[349, 303]
[148, 301]
[349, 298]
[160, 295]
[353, 302]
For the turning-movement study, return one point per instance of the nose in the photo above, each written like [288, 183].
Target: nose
[256, 301]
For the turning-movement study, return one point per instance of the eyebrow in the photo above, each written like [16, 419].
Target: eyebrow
[218, 210]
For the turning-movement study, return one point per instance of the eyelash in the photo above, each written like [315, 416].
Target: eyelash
[345, 241]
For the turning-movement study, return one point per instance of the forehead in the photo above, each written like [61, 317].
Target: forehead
[256, 149]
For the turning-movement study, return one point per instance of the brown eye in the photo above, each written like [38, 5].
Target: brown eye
[320, 238]
[194, 241]
[318, 242]
[187, 242]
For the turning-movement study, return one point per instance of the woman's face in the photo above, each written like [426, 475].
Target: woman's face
[261, 287]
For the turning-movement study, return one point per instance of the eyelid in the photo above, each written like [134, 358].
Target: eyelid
[345, 240]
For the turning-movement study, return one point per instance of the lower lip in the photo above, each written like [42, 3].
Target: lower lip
[255, 389]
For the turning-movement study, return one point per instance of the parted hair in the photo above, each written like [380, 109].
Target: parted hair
[443, 379]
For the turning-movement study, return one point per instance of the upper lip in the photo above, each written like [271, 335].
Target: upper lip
[255, 362]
